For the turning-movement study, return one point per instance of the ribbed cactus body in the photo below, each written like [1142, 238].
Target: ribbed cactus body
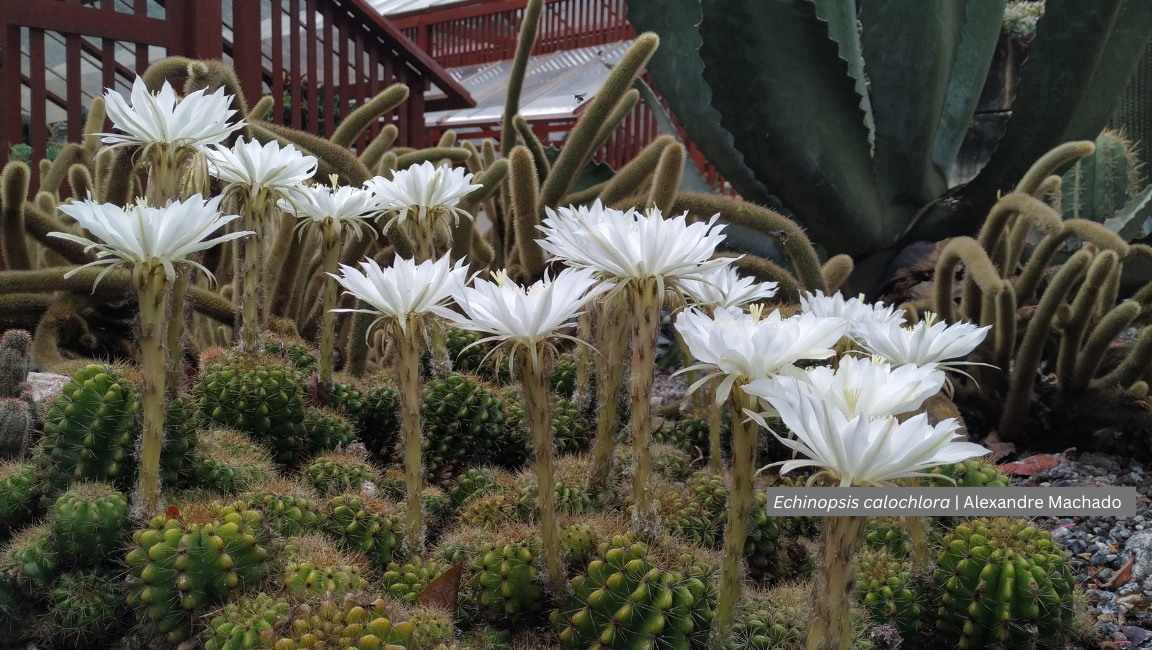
[974, 472]
[887, 533]
[228, 461]
[763, 531]
[671, 463]
[347, 399]
[90, 431]
[85, 610]
[405, 581]
[689, 434]
[343, 623]
[504, 586]
[178, 456]
[570, 500]
[246, 624]
[264, 400]
[313, 567]
[179, 570]
[626, 601]
[1096, 187]
[379, 422]
[461, 423]
[431, 628]
[89, 522]
[15, 362]
[776, 620]
[473, 481]
[19, 492]
[487, 511]
[327, 430]
[885, 588]
[463, 360]
[288, 508]
[1003, 584]
[364, 525]
[340, 473]
[299, 355]
[17, 427]
[571, 431]
[30, 560]
[564, 374]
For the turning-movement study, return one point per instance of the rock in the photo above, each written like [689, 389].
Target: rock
[1137, 635]
[45, 385]
[885, 637]
[1140, 543]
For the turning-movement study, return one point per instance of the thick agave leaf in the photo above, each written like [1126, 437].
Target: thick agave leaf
[1076, 69]
[1133, 221]
[676, 66]
[974, 53]
[789, 100]
[844, 29]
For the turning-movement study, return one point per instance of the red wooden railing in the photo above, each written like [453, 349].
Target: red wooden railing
[55, 55]
[482, 31]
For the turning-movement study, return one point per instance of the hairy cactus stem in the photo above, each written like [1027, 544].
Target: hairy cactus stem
[407, 342]
[256, 213]
[1092, 355]
[1083, 307]
[152, 289]
[331, 247]
[645, 296]
[979, 268]
[611, 344]
[535, 383]
[831, 626]
[175, 333]
[584, 333]
[739, 512]
[921, 557]
[529, 28]
[1034, 179]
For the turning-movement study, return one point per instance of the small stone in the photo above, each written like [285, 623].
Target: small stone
[1137, 635]
[1140, 543]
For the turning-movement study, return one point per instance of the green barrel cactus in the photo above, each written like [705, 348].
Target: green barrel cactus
[564, 374]
[687, 519]
[327, 430]
[287, 506]
[571, 431]
[30, 560]
[504, 584]
[314, 566]
[431, 627]
[366, 525]
[178, 456]
[670, 462]
[91, 429]
[473, 481]
[85, 609]
[889, 533]
[181, 566]
[626, 601]
[885, 588]
[461, 419]
[1099, 185]
[379, 419]
[463, 360]
[348, 622]
[487, 511]
[1003, 584]
[19, 493]
[974, 472]
[298, 354]
[246, 624]
[347, 398]
[570, 500]
[763, 531]
[406, 581]
[264, 400]
[689, 434]
[576, 542]
[772, 620]
[89, 522]
[228, 461]
[339, 473]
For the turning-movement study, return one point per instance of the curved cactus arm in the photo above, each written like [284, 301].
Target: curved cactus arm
[677, 68]
[836, 271]
[94, 124]
[361, 118]
[14, 190]
[804, 134]
[1134, 364]
[71, 154]
[1106, 331]
[979, 269]
[261, 110]
[1083, 307]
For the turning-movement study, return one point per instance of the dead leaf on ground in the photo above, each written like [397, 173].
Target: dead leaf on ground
[444, 590]
[1031, 465]
[1121, 577]
[999, 449]
[316, 391]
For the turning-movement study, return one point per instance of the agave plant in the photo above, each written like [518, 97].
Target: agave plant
[851, 119]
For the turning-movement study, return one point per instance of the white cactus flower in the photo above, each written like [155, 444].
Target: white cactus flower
[403, 288]
[862, 451]
[526, 316]
[628, 245]
[421, 192]
[854, 310]
[342, 207]
[924, 343]
[859, 386]
[196, 120]
[263, 174]
[724, 288]
[748, 347]
[143, 235]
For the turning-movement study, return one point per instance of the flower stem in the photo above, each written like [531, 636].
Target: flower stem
[612, 342]
[918, 531]
[441, 364]
[687, 359]
[175, 335]
[250, 323]
[537, 400]
[646, 300]
[331, 246]
[831, 626]
[584, 333]
[408, 344]
[715, 423]
[153, 295]
[744, 447]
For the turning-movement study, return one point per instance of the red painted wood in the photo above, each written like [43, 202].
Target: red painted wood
[294, 54]
[277, 23]
[313, 70]
[246, 51]
[72, 79]
[38, 128]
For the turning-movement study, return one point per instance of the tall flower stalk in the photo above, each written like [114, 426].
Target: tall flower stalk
[853, 449]
[405, 296]
[260, 179]
[527, 321]
[645, 255]
[153, 243]
[740, 348]
[611, 346]
[333, 213]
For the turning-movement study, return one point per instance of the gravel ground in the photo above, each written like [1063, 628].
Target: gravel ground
[1100, 547]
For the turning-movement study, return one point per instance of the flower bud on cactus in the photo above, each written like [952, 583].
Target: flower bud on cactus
[19, 492]
[15, 362]
[343, 623]
[178, 457]
[246, 624]
[504, 580]
[89, 522]
[314, 566]
[288, 507]
[90, 431]
[85, 609]
[366, 525]
[30, 559]
[1003, 584]
[406, 581]
[264, 400]
[340, 473]
[884, 587]
[181, 566]
[228, 461]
